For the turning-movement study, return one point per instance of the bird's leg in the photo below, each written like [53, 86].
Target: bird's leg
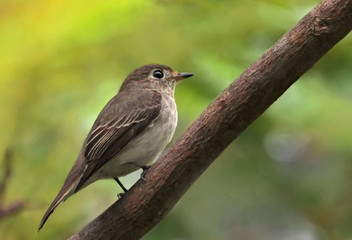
[143, 167]
[123, 188]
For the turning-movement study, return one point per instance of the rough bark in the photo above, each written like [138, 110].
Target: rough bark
[147, 202]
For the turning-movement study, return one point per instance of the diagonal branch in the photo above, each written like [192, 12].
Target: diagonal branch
[147, 202]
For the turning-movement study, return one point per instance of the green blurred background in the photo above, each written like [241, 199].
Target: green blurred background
[288, 176]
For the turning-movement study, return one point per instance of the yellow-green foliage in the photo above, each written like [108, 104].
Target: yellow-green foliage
[287, 177]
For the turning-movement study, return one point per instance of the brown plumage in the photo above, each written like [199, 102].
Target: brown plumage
[130, 132]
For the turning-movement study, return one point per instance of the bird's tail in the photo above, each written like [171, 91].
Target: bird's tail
[64, 193]
[67, 189]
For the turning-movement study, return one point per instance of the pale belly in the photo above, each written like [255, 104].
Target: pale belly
[145, 149]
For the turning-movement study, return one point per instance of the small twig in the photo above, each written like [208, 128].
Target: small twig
[7, 174]
[17, 205]
[11, 209]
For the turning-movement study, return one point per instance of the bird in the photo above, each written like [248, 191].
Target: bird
[130, 132]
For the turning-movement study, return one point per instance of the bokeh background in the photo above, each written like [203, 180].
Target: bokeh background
[288, 176]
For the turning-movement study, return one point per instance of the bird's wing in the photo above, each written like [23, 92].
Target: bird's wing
[116, 125]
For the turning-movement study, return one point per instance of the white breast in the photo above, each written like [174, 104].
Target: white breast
[146, 147]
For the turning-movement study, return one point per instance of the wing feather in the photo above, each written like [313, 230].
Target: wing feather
[107, 139]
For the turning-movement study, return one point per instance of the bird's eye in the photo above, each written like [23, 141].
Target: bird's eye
[158, 74]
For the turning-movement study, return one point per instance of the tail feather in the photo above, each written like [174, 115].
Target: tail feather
[63, 194]
[68, 188]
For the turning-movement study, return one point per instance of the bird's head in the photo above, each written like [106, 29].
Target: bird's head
[155, 76]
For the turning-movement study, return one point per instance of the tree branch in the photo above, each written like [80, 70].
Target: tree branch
[147, 202]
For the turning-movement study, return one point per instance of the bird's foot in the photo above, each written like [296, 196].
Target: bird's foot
[145, 169]
[120, 195]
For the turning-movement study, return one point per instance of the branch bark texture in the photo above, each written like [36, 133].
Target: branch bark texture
[147, 202]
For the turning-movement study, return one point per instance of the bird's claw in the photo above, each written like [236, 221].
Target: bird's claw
[145, 169]
[120, 195]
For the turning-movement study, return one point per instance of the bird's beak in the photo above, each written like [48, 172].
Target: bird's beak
[180, 76]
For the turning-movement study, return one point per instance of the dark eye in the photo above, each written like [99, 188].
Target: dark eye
[158, 74]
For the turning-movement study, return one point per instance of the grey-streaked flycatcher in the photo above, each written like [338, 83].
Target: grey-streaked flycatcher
[130, 132]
